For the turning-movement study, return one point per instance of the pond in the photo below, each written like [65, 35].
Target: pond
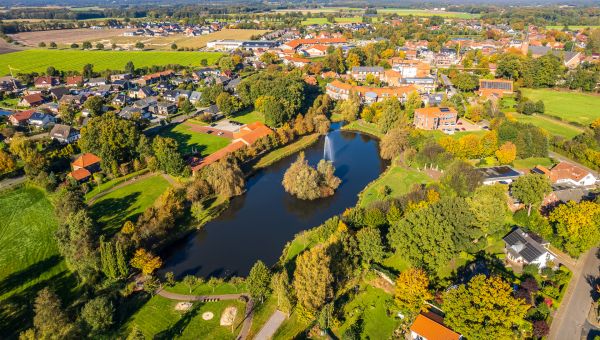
[258, 224]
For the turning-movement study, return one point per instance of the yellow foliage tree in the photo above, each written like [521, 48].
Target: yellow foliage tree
[578, 224]
[128, 228]
[595, 124]
[145, 261]
[7, 162]
[412, 290]
[507, 153]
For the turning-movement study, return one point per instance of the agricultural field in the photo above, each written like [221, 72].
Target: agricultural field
[574, 27]
[164, 43]
[190, 140]
[159, 319]
[322, 21]
[398, 179]
[569, 106]
[29, 258]
[37, 60]
[65, 37]
[426, 13]
[553, 126]
[127, 202]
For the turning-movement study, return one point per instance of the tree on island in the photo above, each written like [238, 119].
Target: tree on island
[308, 183]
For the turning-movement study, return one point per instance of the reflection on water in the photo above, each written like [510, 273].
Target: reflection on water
[258, 224]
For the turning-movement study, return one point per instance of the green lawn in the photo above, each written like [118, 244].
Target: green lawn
[362, 126]
[29, 258]
[569, 106]
[37, 60]
[159, 319]
[553, 126]
[372, 305]
[126, 203]
[112, 183]
[400, 180]
[9, 103]
[190, 140]
[262, 313]
[249, 117]
[396, 262]
[529, 163]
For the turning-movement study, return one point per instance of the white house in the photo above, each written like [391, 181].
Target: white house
[567, 173]
[527, 248]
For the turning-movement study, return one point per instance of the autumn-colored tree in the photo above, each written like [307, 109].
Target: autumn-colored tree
[145, 261]
[484, 308]
[312, 278]
[128, 228]
[412, 290]
[307, 183]
[507, 153]
[282, 289]
[578, 224]
[393, 143]
[7, 162]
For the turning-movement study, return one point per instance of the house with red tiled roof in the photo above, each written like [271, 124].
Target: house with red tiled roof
[296, 43]
[316, 50]
[338, 90]
[431, 327]
[297, 62]
[74, 81]
[45, 82]
[245, 136]
[567, 173]
[31, 100]
[20, 118]
[84, 166]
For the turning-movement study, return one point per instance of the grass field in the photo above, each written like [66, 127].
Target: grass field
[190, 140]
[427, 13]
[29, 258]
[362, 126]
[553, 126]
[126, 203]
[569, 106]
[112, 183]
[400, 180]
[159, 319]
[249, 117]
[574, 27]
[37, 60]
[322, 21]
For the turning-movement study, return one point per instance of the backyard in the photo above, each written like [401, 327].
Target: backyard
[569, 106]
[127, 202]
[38, 60]
[190, 140]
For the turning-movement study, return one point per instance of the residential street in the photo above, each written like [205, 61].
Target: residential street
[570, 320]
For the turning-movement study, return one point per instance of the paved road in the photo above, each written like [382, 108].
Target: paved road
[207, 298]
[571, 319]
[271, 326]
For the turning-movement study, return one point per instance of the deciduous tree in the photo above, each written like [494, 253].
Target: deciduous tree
[578, 224]
[412, 291]
[531, 189]
[145, 261]
[98, 314]
[313, 279]
[259, 280]
[484, 308]
[507, 153]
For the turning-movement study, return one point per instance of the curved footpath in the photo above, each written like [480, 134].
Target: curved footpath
[206, 298]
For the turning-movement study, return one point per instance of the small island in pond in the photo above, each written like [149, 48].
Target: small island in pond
[308, 183]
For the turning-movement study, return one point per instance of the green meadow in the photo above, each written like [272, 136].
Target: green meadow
[29, 257]
[38, 60]
[127, 202]
[569, 106]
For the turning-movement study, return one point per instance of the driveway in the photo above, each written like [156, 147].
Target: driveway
[570, 321]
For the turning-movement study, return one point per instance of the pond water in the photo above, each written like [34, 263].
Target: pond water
[258, 224]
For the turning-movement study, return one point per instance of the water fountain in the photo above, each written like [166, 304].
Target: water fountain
[328, 153]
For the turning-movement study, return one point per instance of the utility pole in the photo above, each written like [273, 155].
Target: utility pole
[12, 77]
